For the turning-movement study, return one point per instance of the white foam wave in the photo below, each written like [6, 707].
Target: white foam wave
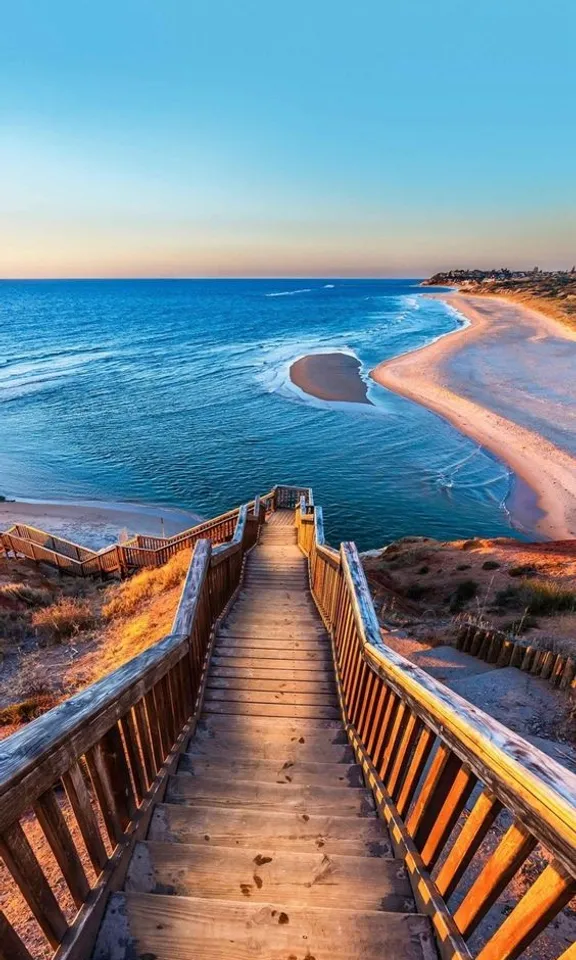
[329, 286]
[288, 293]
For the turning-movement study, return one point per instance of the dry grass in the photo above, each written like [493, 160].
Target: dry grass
[83, 632]
[63, 619]
[128, 597]
[139, 612]
[23, 593]
[25, 710]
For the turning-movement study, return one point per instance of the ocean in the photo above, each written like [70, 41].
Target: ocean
[176, 392]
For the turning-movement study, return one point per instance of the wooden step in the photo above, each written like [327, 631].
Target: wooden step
[330, 730]
[277, 601]
[247, 709]
[264, 874]
[273, 771]
[182, 788]
[309, 619]
[275, 630]
[265, 746]
[258, 695]
[305, 833]
[292, 657]
[271, 684]
[231, 667]
[283, 645]
[190, 928]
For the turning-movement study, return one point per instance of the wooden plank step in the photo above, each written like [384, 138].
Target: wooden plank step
[269, 621]
[278, 635]
[274, 771]
[274, 615]
[232, 746]
[281, 602]
[233, 708]
[231, 827]
[289, 657]
[190, 928]
[256, 669]
[332, 730]
[275, 643]
[275, 629]
[272, 684]
[182, 788]
[257, 695]
[265, 874]
[265, 611]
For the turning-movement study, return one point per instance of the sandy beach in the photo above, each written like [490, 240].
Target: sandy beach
[523, 355]
[330, 376]
[93, 524]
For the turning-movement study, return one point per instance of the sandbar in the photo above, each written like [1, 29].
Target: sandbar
[330, 376]
[96, 525]
[453, 378]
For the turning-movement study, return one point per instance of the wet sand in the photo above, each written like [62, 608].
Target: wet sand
[330, 376]
[510, 359]
[96, 525]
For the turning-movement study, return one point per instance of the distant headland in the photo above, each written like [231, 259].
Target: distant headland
[553, 292]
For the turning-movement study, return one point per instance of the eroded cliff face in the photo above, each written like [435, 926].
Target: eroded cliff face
[552, 292]
[526, 589]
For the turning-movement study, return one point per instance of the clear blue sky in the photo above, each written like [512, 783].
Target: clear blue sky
[244, 137]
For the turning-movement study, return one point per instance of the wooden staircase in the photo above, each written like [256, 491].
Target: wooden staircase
[267, 844]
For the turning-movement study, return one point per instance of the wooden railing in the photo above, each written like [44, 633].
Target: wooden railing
[77, 785]
[122, 558]
[466, 800]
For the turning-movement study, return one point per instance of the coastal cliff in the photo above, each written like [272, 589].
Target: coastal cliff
[552, 292]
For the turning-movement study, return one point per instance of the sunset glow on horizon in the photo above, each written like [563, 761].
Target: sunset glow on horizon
[174, 142]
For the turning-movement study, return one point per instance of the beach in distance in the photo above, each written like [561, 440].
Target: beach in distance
[200, 394]
[96, 525]
[504, 380]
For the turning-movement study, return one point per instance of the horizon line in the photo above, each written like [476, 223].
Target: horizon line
[179, 279]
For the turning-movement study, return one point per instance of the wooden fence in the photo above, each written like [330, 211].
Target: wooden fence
[499, 648]
[88, 771]
[141, 551]
[446, 777]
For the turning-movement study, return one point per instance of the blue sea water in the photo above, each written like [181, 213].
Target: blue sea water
[177, 393]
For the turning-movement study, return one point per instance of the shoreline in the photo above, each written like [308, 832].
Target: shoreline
[545, 468]
[95, 524]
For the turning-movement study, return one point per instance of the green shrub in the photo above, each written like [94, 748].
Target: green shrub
[464, 592]
[464, 566]
[490, 565]
[424, 569]
[520, 625]
[508, 597]
[545, 598]
[548, 598]
[523, 570]
[416, 591]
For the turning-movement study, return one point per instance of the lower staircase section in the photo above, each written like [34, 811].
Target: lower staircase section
[267, 844]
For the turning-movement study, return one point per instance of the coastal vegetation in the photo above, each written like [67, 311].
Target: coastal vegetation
[61, 634]
[552, 291]
[515, 587]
